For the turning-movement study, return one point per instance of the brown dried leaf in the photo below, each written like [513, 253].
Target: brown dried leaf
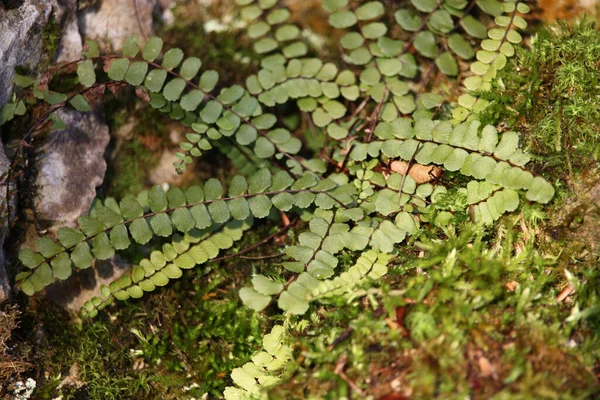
[95, 93]
[107, 63]
[142, 94]
[420, 173]
[486, 368]
[114, 88]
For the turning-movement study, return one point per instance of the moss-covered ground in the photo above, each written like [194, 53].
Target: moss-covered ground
[507, 312]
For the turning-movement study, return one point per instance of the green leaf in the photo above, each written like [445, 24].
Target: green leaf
[136, 73]
[29, 258]
[90, 226]
[425, 44]
[389, 66]
[138, 274]
[190, 101]
[425, 6]
[42, 277]
[266, 286]
[260, 206]
[334, 5]
[81, 256]
[352, 40]
[265, 45]
[140, 231]
[287, 32]
[441, 21]
[152, 48]
[135, 292]
[53, 98]
[254, 300]
[283, 201]
[431, 100]
[172, 58]
[131, 46]
[213, 189]
[407, 20]
[190, 68]
[509, 143]
[80, 103]
[101, 247]
[157, 199]
[491, 7]
[86, 73]
[264, 121]
[231, 94]
[473, 27]
[219, 211]
[361, 56]
[263, 148]
[119, 238]
[246, 135]
[292, 304]
[489, 139]
[260, 181]
[23, 81]
[92, 49]
[278, 16]
[173, 89]
[130, 208]
[337, 132]
[161, 225]
[246, 106]
[239, 208]
[211, 112]
[172, 271]
[461, 47]
[159, 279]
[374, 30]
[155, 80]
[447, 64]
[69, 237]
[342, 19]
[258, 29]
[183, 219]
[370, 10]
[208, 80]
[118, 69]
[27, 287]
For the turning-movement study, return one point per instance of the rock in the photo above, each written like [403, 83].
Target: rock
[164, 171]
[20, 39]
[70, 47]
[85, 283]
[4, 281]
[70, 165]
[114, 20]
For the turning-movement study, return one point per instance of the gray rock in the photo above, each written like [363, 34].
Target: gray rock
[114, 20]
[21, 24]
[20, 40]
[70, 165]
[70, 47]
[85, 283]
[4, 282]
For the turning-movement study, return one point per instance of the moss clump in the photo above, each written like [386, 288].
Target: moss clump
[476, 317]
[550, 94]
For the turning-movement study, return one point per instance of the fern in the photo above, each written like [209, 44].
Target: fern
[379, 110]
[268, 368]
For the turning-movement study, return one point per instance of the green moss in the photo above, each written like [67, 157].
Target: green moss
[182, 341]
[130, 168]
[471, 318]
[549, 93]
[50, 42]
